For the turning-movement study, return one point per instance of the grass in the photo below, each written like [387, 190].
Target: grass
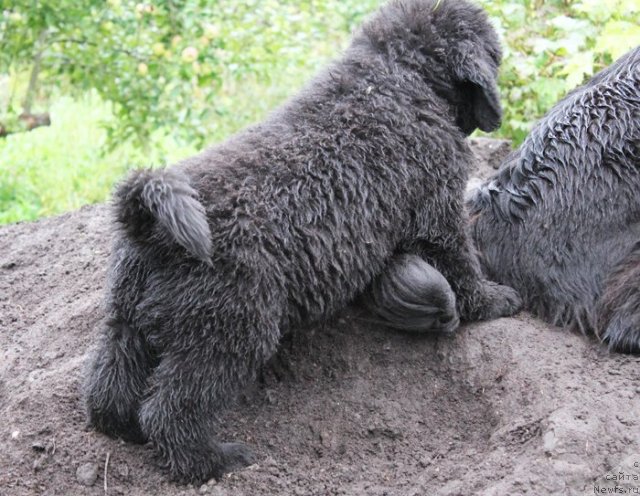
[59, 168]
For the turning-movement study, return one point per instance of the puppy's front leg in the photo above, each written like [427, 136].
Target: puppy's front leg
[447, 246]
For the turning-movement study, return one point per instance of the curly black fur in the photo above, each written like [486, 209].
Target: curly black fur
[288, 221]
[411, 295]
[563, 213]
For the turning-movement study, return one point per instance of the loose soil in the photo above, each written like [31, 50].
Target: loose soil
[511, 406]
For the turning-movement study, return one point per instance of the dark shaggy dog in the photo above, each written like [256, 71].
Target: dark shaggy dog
[285, 223]
[561, 219]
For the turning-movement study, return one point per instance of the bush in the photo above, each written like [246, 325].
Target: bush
[166, 64]
[550, 47]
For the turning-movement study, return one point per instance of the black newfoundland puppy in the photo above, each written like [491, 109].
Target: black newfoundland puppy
[287, 222]
[560, 221]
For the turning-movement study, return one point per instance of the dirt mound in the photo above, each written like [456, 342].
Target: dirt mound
[505, 407]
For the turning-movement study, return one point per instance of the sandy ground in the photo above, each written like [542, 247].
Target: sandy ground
[511, 406]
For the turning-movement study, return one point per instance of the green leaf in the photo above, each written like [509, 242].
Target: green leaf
[577, 68]
[617, 38]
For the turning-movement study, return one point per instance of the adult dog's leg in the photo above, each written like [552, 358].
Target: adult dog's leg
[117, 380]
[618, 310]
[198, 375]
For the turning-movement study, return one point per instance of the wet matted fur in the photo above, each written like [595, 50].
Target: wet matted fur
[411, 295]
[285, 223]
[561, 219]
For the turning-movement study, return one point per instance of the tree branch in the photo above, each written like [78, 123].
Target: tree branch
[130, 53]
[32, 88]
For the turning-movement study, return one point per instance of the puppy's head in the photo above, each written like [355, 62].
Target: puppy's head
[453, 47]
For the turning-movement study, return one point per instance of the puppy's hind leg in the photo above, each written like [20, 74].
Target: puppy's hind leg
[117, 380]
[200, 373]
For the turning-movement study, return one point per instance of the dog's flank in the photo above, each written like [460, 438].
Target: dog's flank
[163, 198]
[302, 212]
[559, 219]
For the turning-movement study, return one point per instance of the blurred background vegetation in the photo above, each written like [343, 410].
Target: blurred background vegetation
[127, 84]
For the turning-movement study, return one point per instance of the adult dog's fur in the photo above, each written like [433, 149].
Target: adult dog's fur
[285, 223]
[411, 295]
[561, 219]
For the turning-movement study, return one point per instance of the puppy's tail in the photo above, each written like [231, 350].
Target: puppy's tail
[163, 197]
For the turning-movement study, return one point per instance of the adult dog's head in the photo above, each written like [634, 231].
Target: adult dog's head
[453, 47]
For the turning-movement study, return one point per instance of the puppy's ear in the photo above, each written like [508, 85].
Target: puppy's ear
[476, 77]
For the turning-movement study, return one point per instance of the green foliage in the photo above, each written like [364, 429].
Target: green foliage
[164, 64]
[132, 83]
[60, 168]
[550, 47]
[151, 82]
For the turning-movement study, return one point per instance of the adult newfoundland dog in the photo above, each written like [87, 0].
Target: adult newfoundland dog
[560, 222]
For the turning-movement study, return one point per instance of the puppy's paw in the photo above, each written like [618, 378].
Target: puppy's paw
[446, 323]
[412, 295]
[114, 425]
[499, 301]
[112, 414]
[201, 462]
[236, 456]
